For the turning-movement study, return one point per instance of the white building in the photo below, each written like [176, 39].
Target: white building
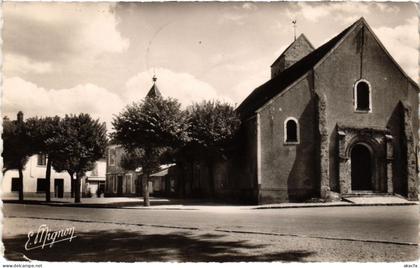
[34, 180]
[93, 184]
[60, 185]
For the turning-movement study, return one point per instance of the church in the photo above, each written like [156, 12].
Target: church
[331, 122]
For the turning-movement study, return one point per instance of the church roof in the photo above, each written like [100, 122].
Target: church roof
[154, 91]
[301, 39]
[283, 80]
[274, 86]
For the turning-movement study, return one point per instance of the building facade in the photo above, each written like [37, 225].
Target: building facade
[342, 119]
[120, 182]
[34, 180]
[93, 183]
[338, 120]
[128, 183]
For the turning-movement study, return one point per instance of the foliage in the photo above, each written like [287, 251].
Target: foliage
[83, 141]
[212, 126]
[148, 131]
[132, 160]
[156, 122]
[16, 149]
[43, 133]
[136, 158]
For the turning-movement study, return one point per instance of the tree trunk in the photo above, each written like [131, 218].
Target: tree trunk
[145, 181]
[71, 184]
[20, 184]
[192, 194]
[212, 180]
[48, 181]
[77, 189]
[181, 180]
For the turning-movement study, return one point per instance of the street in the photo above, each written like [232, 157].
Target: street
[377, 233]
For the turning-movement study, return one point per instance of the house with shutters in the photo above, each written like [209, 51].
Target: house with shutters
[341, 119]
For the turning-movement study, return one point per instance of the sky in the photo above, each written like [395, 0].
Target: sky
[62, 58]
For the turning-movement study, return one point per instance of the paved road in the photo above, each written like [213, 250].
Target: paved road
[390, 224]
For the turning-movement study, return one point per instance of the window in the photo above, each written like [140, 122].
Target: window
[15, 185]
[133, 186]
[128, 182]
[41, 185]
[114, 184]
[108, 183]
[362, 96]
[42, 160]
[291, 131]
[111, 156]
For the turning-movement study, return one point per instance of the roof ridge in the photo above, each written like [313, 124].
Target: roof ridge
[263, 93]
[302, 35]
[307, 40]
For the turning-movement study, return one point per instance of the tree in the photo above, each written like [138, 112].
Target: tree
[132, 160]
[83, 141]
[149, 129]
[43, 134]
[16, 149]
[212, 127]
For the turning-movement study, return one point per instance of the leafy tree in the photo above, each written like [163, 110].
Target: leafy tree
[43, 134]
[83, 141]
[148, 129]
[212, 127]
[16, 149]
[132, 160]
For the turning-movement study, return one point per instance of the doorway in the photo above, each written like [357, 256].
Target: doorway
[59, 188]
[119, 185]
[361, 168]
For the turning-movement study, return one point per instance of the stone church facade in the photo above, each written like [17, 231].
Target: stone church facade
[338, 120]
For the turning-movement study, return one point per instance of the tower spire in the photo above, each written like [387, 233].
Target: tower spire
[294, 28]
[154, 91]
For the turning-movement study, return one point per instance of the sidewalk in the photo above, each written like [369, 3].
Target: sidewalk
[206, 205]
[104, 202]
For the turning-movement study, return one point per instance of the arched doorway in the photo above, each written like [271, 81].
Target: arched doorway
[361, 168]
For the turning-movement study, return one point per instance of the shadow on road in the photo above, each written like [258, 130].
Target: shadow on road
[124, 246]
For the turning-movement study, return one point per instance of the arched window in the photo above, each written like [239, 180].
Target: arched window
[291, 131]
[362, 96]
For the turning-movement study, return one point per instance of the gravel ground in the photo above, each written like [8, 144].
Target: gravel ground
[128, 243]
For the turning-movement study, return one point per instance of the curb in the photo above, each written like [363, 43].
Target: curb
[340, 205]
[134, 205]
